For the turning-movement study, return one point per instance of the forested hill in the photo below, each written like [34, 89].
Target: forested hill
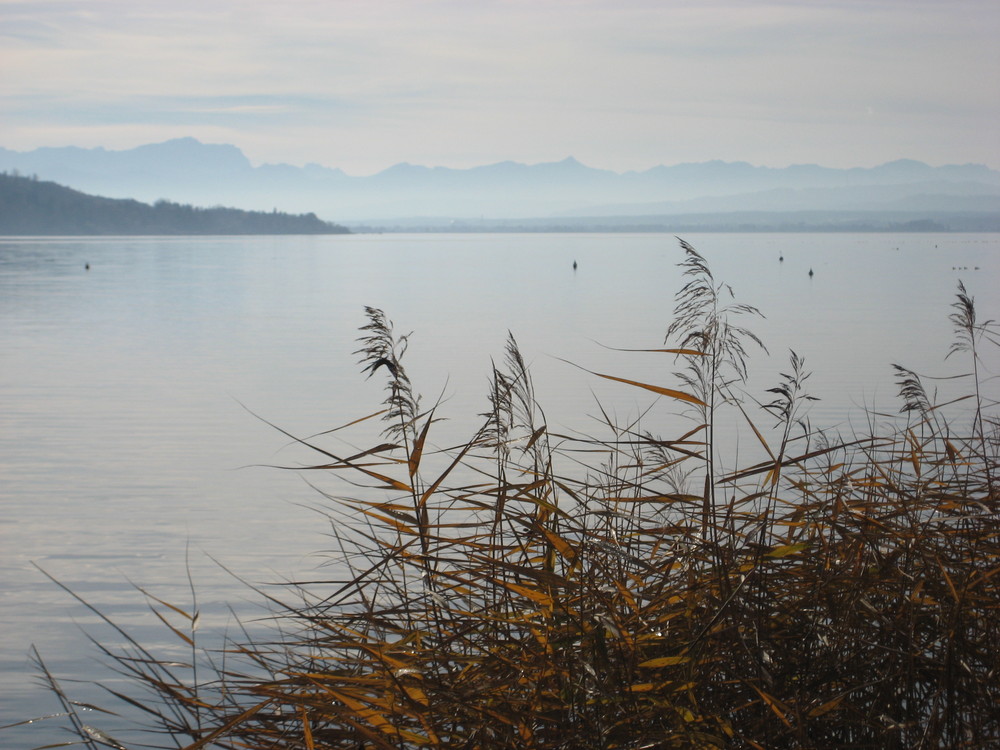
[32, 207]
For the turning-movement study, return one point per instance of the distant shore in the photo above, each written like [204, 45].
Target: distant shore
[740, 222]
[31, 207]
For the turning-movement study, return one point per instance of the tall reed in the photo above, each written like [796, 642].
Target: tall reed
[538, 590]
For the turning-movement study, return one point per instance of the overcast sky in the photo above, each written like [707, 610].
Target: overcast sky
[619, 84]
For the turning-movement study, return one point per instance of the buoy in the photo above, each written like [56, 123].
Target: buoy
[810, 273]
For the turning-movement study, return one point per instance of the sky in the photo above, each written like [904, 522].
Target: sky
[617, 84]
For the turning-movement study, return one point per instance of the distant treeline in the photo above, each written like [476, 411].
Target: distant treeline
[29, 206]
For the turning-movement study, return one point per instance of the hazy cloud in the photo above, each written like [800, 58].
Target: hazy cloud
[617, 84]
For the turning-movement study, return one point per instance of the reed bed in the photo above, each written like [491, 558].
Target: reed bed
[627, 590]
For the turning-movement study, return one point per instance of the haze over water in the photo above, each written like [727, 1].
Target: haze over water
[126, 433]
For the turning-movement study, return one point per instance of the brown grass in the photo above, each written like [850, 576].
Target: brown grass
[529, 589]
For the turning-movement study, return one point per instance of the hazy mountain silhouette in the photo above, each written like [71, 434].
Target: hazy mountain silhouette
[192, 172]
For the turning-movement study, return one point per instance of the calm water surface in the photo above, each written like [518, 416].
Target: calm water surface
[127, 442]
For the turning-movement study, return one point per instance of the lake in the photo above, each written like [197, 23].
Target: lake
[133, 393]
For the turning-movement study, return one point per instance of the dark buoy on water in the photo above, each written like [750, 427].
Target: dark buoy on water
[810, 273]
[781, 258]
[574, 265]
[86, 266]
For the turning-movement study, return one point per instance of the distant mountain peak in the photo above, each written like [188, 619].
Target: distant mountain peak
[570, 162]
[404, 169]
[190, 145]
[187, 140]
[905, 163]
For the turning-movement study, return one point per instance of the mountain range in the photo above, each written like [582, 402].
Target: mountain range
[188, 171]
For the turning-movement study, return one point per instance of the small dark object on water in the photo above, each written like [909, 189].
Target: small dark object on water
[574, 265]
[781, 258]
[810, 273]
[86, 266]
